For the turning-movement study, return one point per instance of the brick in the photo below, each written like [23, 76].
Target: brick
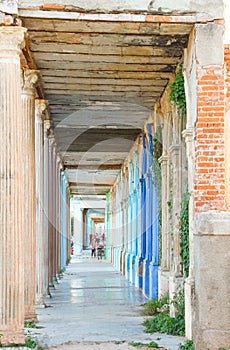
[53, 7]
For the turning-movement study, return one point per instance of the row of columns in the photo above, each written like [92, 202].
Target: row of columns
[31, 188]
[135, 208]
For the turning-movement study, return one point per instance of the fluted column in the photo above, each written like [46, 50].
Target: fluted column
[40, 108]
[51, 209]
[47, 126]
[175, 151]
[11, 189]
[29, 78]
[165, 246]
[58, 191]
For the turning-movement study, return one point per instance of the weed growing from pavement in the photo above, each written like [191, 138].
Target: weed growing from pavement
[155, 306]
[151, 345]
[31, 324]
[162, 321]
[188, 345]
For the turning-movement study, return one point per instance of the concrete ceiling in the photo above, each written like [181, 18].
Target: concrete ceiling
[102, 79]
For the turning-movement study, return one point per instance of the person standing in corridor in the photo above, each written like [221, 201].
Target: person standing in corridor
[93, 245]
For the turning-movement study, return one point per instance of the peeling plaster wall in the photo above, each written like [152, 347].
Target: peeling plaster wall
[205, 9]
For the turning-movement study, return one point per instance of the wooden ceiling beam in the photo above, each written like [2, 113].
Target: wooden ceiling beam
[93, 167]
[110, 74]
[80, 184]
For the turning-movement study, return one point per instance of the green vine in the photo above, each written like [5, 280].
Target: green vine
[177, 92]
[184, 233]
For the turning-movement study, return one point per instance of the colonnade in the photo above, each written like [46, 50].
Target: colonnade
[34, 193]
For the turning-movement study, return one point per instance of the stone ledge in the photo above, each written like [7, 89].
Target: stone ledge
[212, 223]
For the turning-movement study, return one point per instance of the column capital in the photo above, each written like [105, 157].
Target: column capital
[188, 134]
[40, 108]
[47, 126]
[163, 159]
[60, 161]
[11, 41]
[174, 149]
[29, 79]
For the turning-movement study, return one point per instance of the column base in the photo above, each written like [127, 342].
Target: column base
[189, 293]
[132, 268]
[163, 282]
[127, 266]
[139, 268]
[174, 284]
[146, 277]
[40, 303]
[117, 252]
[30, 314]
[212, 281]
[12, 336]
[123, 254]
[153, 280]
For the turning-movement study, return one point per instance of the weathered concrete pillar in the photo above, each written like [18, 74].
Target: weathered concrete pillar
[211, 229]
[175, 278]
[40, 108]
[47, 126]
[29, 78]
[188, 135]
[58, 191]
[165, 237]
[11, 188]
[50, 209]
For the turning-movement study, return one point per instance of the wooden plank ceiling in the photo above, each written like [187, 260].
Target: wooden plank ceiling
[101, 80]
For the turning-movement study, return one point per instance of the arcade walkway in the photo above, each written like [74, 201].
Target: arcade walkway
[94, 304]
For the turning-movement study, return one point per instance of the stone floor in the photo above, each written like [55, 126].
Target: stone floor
[94, 307]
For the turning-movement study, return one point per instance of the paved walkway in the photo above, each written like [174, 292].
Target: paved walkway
[94, 307]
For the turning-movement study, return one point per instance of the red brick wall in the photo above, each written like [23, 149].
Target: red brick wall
[227, 69]
[210, 163]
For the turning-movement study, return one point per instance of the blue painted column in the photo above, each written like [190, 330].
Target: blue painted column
[142, 255]
[153, 289]
[152, 256]
[148, 239]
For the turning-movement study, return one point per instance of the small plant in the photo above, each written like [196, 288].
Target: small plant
[151, 345]
[31, 324]
[153, 307]
[188, 345]
[178, 302]
[117, 342]
[184, 233]
[177, 92]
[30, 343]
[164, 323]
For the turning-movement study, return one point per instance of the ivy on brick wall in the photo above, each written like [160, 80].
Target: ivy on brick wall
[184, 233]
[177, 92]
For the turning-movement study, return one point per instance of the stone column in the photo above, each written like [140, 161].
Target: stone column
[47, 126]
[29, 78]
[211, 215]
[50, 209]
[176, 278]
[165, 263]
[59, 168]
[11, 188]
[188, 135]
[54, 210]
[40, 108]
